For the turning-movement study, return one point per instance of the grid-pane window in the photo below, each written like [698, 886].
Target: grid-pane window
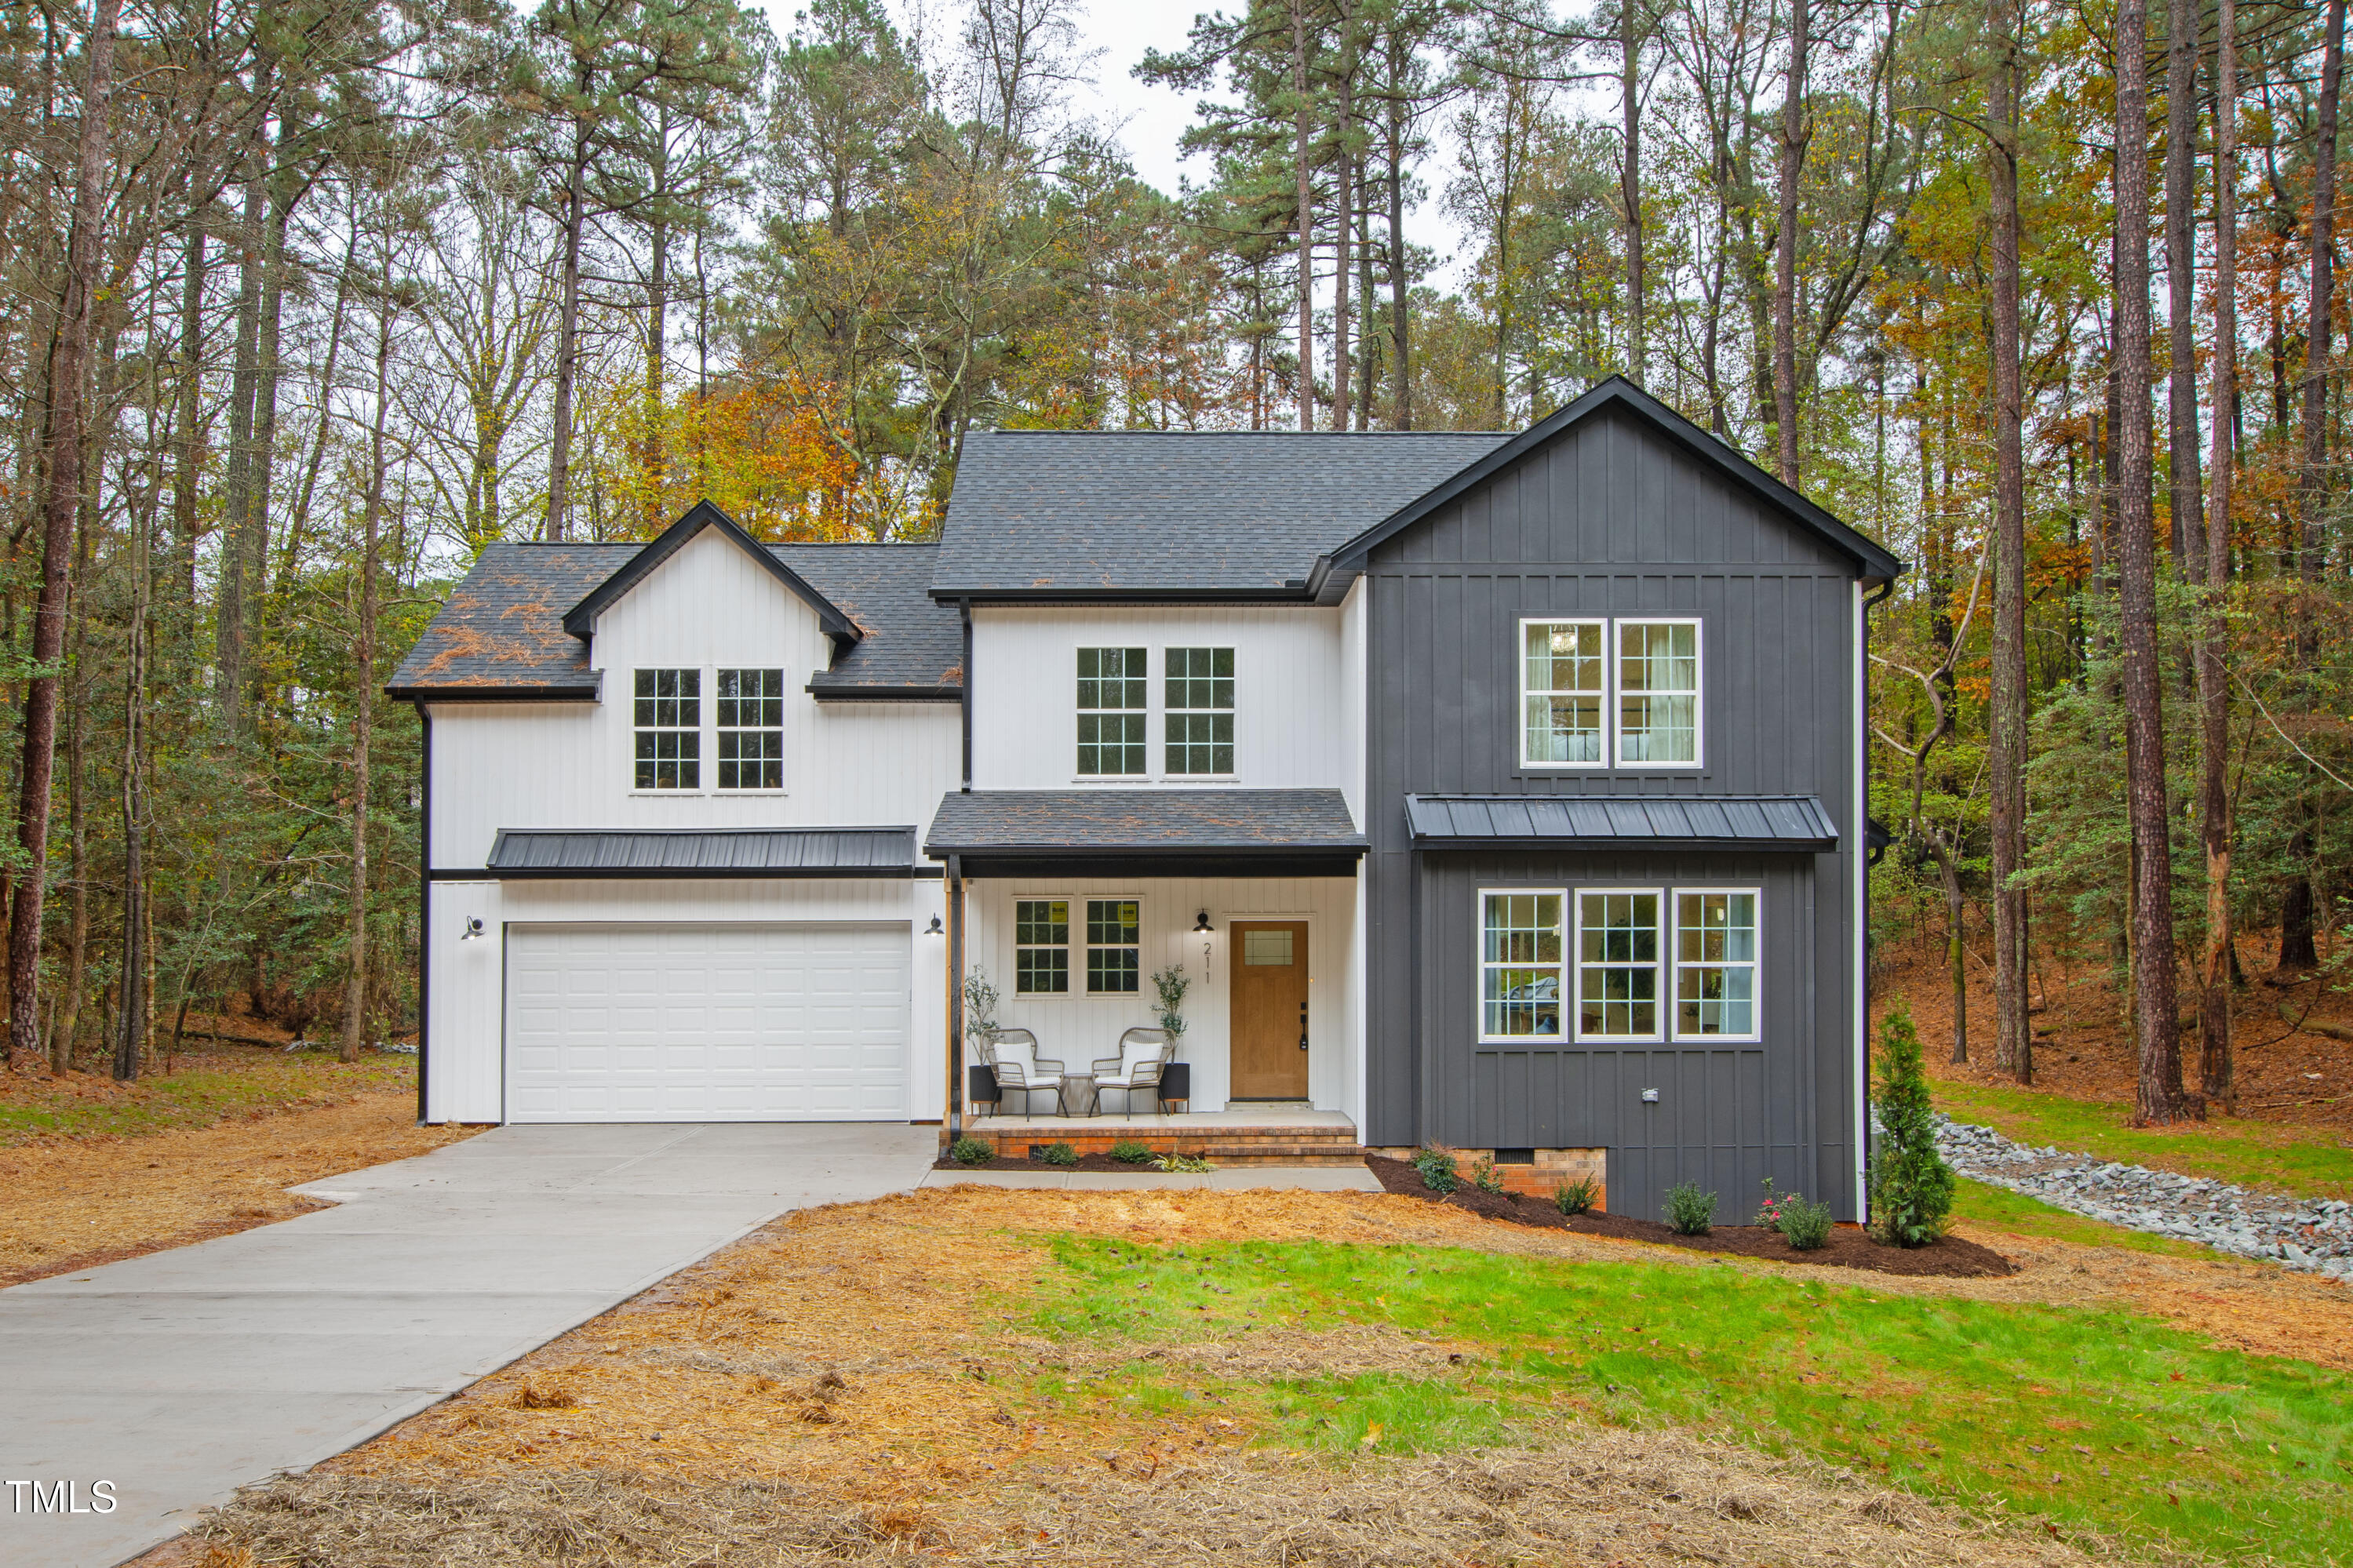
[1715, 964]
[751, 716]
[1618, 965]
[1113, 944]
[1111, 712]
[1658, 691]
[1041, 946]
[1564, 671]
[669, 721]
[1520, 966]
[1201, 709]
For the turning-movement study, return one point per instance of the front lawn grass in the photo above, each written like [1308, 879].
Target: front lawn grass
[2305, 1161]
[2092, 1419]
[1999, 1208]
[219, 1090]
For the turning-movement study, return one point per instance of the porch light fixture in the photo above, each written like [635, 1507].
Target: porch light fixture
[1201, 924]
[473, 927]
[935, 929]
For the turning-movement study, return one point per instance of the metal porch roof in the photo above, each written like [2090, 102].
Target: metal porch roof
[704, 852]
[1751, 822]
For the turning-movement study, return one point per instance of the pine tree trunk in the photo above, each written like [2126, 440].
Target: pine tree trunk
[137, 990]
[60, 506]
[68, 1031]
[2159, 1097]
[1344, 209]
[1630, 181]
[567, 341]
[657, 331]
[1784, 244]
[1306, 220]
[364, 678]
[230, 611]
[1400, 284]
[2181, 285]
[2013, 1041]
[188, 457]
[2217, 1078]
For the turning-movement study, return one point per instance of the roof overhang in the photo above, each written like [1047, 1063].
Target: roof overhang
[581, 619]
[1873, 563]
[849, 691]
[528, 854]
[1147, 833]
[569, 692]
[1791, 823]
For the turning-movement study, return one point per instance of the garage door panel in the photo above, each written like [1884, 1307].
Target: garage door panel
[707, 1023]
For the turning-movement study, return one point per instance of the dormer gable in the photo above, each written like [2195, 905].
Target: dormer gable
[581, 619]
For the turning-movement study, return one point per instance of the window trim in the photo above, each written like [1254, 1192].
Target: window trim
[1698, 758]
[1016, 945]
[1231, 713]
[717, 729]
[1609, 684]
[1568, 1035]
[702, 723]
[1659, 966]
[1078, 713]
[1083, 944]
[1756, 967]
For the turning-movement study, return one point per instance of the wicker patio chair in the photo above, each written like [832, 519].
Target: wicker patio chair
[1020, 1070]
[1142, 1054]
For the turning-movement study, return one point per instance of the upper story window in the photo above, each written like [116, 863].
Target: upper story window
[1201, 709]
[1564, 689]
[1112, 685]
[1658, 692]
[751, 723]
[668, 720]
[1599, 693]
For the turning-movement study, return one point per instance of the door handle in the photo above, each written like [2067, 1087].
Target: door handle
[1303, 1026]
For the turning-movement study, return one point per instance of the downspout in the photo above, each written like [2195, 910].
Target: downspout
[424, 894]
[966, 607]
[955, 998]
[1862, 911]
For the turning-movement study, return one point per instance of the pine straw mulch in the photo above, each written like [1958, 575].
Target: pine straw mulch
[70, 1204]
[844, 1386]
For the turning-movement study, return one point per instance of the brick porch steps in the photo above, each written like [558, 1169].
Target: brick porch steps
[1229, 1145]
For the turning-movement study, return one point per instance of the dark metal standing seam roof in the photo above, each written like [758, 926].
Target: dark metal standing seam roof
[1051, 513]
[1750, 822]
[704, 852]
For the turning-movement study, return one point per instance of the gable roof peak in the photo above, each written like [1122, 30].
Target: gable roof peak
[581, 619]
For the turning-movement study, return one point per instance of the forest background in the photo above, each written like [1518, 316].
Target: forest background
[307, 301]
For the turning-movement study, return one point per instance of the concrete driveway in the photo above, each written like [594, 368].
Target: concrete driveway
[179, 1377]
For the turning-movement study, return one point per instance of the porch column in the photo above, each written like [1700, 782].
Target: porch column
[954, 1124]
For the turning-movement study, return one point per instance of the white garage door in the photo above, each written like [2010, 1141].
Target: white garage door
[707, 1023]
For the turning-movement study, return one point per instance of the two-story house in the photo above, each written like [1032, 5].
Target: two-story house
[1502, 791]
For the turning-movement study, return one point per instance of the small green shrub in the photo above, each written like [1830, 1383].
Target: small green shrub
[1058, 1154]
[971, 1151]
[1911, 1185]
[1804, 1224]
[1575, 1197]
[1484, 1177]
[1183, 1164]
[1437, 1168]
[1690, 1211]
[1128, 1152]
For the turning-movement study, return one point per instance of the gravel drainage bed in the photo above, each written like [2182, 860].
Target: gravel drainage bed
[1847, 1248]
[2314, 1233]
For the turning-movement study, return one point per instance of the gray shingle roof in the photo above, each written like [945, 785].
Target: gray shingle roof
[995, 822]
[705, 852]
[1039, 512]
[501, 632]
[1761, 822]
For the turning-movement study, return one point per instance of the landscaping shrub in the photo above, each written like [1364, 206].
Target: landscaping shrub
[1484, 1177]
[1437, 1168]
[1058, 1154]
[1183, 1164]
[1128, 1152]
[1804, 1224]
[1575, 1197]
[971, 1151]
[1911, 1185]
[1690, 1211]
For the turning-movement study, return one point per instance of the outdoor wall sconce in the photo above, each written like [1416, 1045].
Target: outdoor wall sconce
[1650, 1097]
[935, 929]
[1201, 923]
[473, 927]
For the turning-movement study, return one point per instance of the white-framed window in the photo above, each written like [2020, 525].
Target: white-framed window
[668, 719]
[1564, 693]
[1199, 716]
[1521, 963]
[1658, 694]
[1715, 964]
[1041, 947]
[1618, 963]
[1114, 946]
[1110, 703]
[751, 729]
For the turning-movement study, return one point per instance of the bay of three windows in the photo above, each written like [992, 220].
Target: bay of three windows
[1622, 964]
[747, 728]
[1197, 726]
[1568, 671]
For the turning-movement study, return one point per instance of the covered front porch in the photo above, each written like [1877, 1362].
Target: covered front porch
[1074, 913]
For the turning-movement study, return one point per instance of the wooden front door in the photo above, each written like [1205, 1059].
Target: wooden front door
[1269, 1009]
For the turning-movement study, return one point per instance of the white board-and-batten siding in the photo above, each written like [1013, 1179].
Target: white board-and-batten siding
[1288, 689]
[709, 607]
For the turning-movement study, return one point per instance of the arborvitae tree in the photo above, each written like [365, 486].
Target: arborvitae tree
[1911, 1185]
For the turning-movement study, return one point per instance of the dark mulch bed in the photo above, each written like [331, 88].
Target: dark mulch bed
[1015, 1162]
[1847, 1248]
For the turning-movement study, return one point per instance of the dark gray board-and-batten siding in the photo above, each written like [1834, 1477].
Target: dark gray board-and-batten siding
[1611, 518]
